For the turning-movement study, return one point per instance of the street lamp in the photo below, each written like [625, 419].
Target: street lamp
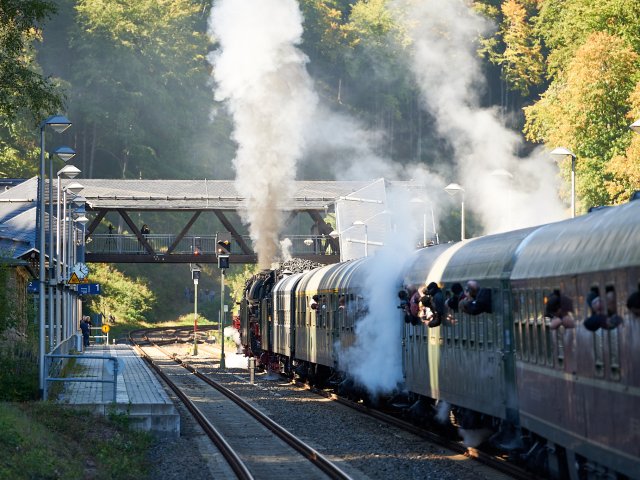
[635, 126]
[65, 154]
[195, 275]
[561, 153]
[424, 221]
[59, 124]
[68, 253]
[453, 189]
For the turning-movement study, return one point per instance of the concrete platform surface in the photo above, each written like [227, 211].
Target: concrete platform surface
[139, 393]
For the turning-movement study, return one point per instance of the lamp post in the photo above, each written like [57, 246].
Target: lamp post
[68, 253]
[195, 275]
[59, 124]
[424, 221]
[561, 153]
[453, 189]
[65, 154]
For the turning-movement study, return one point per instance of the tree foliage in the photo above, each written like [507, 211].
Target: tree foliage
[23, 89]
[583, 57]
[122, 297]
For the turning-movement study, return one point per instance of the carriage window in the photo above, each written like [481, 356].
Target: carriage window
[517, 319]
[633, 303]
[614, 352]
[559, 310]
[473, 328]
[602, 309]
[598, 353]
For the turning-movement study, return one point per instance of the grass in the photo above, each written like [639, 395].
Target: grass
[42, 440]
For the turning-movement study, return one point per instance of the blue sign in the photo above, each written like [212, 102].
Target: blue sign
[89, 289]
[33, 286]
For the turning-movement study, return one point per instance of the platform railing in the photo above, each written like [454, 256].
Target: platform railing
[51, 358]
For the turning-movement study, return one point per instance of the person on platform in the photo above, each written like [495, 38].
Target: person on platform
[85, 327]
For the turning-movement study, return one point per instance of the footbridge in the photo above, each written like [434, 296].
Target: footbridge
[113, 236]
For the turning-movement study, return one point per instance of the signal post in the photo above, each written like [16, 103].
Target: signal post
[223, 251]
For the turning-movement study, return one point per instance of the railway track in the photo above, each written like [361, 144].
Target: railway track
[492, 467]
[253, 445]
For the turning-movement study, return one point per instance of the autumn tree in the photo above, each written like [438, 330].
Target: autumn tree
[585, 109]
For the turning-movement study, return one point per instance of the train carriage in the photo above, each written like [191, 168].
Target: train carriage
[570, 393]
[284, 308]
[580, 388]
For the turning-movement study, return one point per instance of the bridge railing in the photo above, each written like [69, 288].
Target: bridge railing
[204, 244]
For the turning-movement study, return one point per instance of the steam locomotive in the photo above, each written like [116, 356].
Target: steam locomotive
[549, 370]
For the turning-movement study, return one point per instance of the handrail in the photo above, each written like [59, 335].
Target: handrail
[112, 243]
[75, 379]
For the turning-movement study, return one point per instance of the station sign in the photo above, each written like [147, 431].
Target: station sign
[33, 286]
[89, 289]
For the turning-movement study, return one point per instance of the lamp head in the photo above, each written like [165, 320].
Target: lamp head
[58, 122]
[562, 152]
[64, 153]
[453, 188]
[82, 220]
[74, 188]
[635, 126]
[69, 171]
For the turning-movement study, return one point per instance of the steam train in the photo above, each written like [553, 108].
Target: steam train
[561, 396]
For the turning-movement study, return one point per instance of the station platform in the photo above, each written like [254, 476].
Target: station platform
[138, 394]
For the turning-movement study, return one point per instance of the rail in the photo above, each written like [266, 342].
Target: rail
[51, 357]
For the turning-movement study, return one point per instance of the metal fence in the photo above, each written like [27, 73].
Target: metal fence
[204, 244]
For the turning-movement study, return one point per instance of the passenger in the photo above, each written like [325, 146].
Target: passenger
[477, 300]
[145, 229]
[436, 300]
[597, 318]
[85, 327]
[613, 319]
[457, 294]
[560, 310]
[403, 295]
[414, 306]
[314, 302]
[604, 311]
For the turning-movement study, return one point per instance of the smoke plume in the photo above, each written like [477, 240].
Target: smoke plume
[447, 68]
[260, 73]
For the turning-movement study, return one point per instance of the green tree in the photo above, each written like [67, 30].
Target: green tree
[22, 87]
[125, 298]
[26, 95]
[138, 82]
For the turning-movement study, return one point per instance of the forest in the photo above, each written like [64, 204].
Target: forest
[137, 79]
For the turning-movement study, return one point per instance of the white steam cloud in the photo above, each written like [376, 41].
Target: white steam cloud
[379, 333]
[260, 73]
[444, 37]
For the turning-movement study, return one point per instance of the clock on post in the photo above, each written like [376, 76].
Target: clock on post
[81, 270]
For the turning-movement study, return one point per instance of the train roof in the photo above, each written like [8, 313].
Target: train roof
[287, 283]
[604, 239]
[489, 257]
[331, 277]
